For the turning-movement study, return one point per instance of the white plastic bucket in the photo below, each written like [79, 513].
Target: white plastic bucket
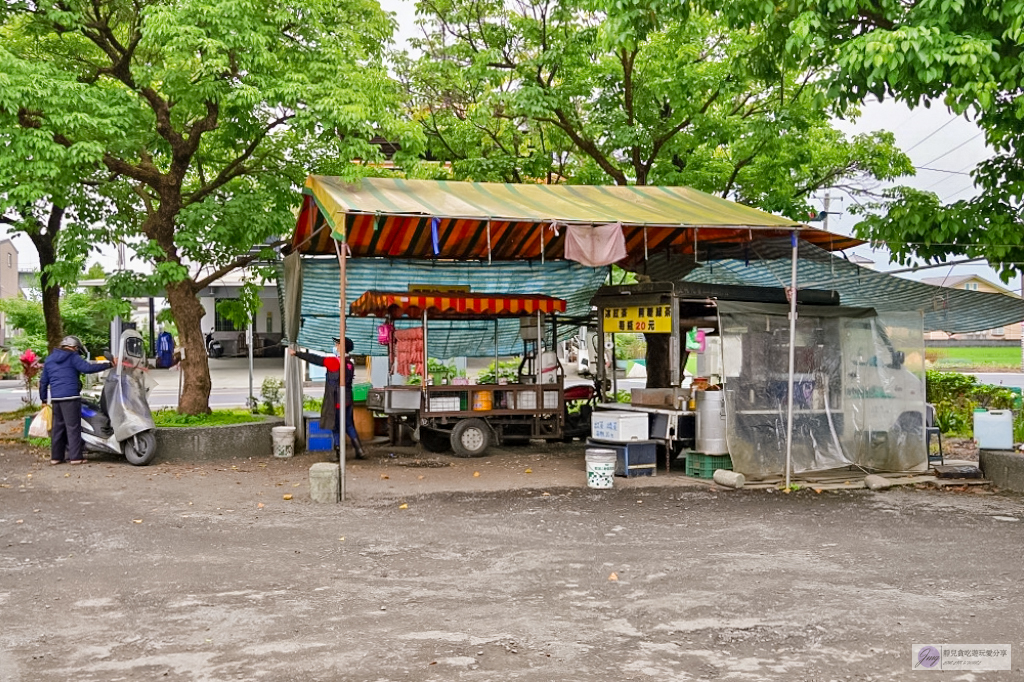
[284, 441]
[600, 468]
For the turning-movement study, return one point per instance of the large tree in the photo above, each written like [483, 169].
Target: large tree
[207, 113]
[964, 54]
[633, 92]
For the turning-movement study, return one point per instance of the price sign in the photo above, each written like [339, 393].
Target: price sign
[656, 319]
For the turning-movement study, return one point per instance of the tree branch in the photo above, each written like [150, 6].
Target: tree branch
[239, 262]
[236, 166]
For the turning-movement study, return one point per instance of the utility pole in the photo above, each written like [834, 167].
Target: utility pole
[828, 205]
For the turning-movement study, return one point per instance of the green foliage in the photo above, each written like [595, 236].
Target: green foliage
[635, 91]
[271, 394]
[192, 123]
[43, 443]
[171, 418]
[630, 346]
[312, 404]
[507, 370]
[955, 396]
[20, 413]
[623, 396]
[85, 315]
[964, 54]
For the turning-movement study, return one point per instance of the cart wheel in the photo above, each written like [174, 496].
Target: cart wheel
[433, 440]
[470, 438]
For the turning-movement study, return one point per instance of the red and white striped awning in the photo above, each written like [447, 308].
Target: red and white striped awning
[443, 305]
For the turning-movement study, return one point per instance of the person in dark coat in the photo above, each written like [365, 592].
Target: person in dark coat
[61, 385]
[332, 403]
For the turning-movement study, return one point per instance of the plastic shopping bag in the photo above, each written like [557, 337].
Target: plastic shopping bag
[41, 423]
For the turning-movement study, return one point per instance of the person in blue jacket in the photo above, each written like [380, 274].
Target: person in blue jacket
[61, 385]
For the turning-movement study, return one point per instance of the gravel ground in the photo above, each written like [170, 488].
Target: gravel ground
[201, 570]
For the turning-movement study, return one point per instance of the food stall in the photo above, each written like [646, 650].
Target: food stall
[468, 418]
[858, 378]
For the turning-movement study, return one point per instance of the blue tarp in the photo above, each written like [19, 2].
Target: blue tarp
[562, 279]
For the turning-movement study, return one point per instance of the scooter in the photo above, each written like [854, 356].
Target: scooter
[121, 423]
[214, 348]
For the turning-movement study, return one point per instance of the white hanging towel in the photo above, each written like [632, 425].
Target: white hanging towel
[595, 246]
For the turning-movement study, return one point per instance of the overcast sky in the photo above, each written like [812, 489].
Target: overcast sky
[943, 147]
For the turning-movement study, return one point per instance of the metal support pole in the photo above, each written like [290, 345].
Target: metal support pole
[792, 360]
[495, 350]
[342, 379]
[248, 343]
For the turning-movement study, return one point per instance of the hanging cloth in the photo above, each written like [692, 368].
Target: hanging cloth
[595, 246]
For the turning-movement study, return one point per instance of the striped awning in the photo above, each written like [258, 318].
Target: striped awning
[442, 305]
[397, 218]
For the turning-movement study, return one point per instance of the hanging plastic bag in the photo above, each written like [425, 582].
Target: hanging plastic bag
[384, 334]
[41, 423]
[695, 340]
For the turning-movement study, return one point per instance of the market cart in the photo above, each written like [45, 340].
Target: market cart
[469, 418]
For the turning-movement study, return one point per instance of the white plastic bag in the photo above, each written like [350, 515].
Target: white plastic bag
[40, 426]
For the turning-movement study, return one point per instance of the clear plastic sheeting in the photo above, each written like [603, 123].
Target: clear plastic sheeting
[124, 397]
[858, 388]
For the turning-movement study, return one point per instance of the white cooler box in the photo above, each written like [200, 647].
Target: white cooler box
[618, 427]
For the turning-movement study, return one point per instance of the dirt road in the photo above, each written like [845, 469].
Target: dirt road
[202, 571]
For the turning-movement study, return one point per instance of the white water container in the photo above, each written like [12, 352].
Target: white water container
[284, 441]
[600, 468]
[993, 429]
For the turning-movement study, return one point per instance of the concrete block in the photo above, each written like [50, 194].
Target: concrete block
[323, 482]
[729, 479]
[874, 482]
[1004, 468]
[204, 443]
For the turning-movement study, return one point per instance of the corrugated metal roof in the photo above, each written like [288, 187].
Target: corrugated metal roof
[396, 218]
[572, 282]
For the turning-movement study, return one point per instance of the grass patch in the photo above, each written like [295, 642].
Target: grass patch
[20, 413]
[986, 357]
[170, 418]
[39, 442]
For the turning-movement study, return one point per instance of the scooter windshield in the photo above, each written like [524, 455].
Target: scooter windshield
[125, 398]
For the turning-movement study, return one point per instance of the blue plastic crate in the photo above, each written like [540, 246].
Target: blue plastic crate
[317, 439]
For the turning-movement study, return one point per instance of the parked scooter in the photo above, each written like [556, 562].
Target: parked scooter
[214, 348]
[121, 422]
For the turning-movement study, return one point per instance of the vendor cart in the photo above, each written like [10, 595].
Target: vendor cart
[469, 418]
[857, 380]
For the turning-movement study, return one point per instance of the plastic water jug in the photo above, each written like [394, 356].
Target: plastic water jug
[993, 429]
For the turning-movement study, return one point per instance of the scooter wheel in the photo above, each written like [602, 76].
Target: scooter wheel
[140, 449]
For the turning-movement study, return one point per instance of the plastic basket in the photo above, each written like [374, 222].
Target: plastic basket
[704, 466]
[360, 391]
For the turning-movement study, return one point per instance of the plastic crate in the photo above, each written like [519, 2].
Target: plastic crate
[317, 439]
[704, 466]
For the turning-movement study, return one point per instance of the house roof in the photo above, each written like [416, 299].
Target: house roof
[397, 218]
[954, 281]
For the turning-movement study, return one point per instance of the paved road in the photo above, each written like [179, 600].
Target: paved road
[1001, 378]
[200, 571]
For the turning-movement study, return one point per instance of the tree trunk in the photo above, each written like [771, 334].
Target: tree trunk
[188, 316]
[44, 239]
[51, 309]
